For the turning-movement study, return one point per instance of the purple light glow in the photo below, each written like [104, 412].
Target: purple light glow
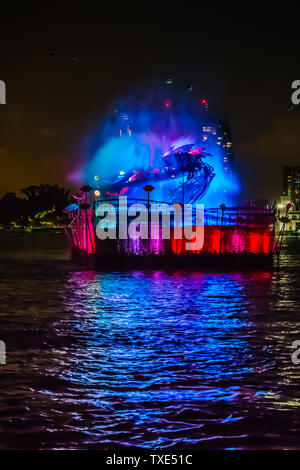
[139, 135]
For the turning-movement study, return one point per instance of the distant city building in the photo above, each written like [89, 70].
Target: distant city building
[204, 104]
[218, 136]
[124, 124]
[293, 224]
[291, 184]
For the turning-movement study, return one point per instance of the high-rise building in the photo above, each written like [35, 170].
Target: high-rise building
[224, 136]
[204, 104]
[291, 184]
[123, 124]
[218, 135]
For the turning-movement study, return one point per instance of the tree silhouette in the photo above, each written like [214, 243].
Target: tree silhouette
[12, 209]
[46, 196]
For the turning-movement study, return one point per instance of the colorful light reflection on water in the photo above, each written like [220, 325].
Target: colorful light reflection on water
[148, 359]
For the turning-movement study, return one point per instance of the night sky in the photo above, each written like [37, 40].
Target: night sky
[244, 64]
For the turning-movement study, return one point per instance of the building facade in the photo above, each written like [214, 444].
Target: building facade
[123, 124]
[291, 227]
[291, 184]
[217, 136]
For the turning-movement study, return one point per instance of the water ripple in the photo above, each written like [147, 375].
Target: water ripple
[148, 359]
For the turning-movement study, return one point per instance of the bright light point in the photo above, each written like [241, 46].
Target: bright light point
[168, 104]
[97, 193]
[122, 173]
[96, 177]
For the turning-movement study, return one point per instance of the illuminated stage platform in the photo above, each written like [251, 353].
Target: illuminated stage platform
[233, 237]
[180, 177]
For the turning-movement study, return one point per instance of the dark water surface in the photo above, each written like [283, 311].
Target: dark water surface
[146, 359]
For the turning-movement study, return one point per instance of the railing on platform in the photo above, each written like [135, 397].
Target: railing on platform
[233, 230]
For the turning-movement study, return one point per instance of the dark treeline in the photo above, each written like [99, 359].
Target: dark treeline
[42, 201]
